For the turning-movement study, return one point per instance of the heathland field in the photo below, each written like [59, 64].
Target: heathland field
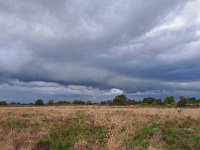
[99, 127]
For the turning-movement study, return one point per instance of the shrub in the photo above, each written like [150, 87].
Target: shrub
[131, 102]
[149, 101]
[159, 102]
[108, 102]
[79, 102]
[63, 102]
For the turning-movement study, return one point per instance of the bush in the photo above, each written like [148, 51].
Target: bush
[131, 102]
[79, 102]
[159, 102]
[39, 102]
[149, 101]
[108, 102]
[63, 102]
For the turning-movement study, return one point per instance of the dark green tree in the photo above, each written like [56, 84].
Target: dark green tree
[120, 100]
[169, 100]
[39, 102]
[182, 102]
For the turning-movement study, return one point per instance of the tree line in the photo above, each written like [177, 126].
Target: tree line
[119, 100]
[150, 101]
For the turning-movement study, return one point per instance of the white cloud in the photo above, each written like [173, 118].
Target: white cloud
[114, 92]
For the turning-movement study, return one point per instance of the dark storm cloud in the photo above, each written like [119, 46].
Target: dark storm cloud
[98, 48]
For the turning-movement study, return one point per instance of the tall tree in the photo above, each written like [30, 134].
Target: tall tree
[120, 100]
[39, 102]
[182, 101]
[169, 100]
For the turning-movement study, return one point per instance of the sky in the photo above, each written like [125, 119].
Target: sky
[95, 50]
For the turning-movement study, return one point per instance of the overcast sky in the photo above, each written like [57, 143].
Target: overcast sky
[86, 49]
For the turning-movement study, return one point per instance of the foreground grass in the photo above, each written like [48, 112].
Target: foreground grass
[171, 137]
[74, 133]
[95, 127]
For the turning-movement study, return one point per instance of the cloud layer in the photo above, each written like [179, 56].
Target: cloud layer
[73, 48]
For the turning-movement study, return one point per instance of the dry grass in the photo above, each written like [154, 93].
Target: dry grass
[22, 127]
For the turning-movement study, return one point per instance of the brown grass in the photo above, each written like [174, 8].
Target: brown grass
[36, 122]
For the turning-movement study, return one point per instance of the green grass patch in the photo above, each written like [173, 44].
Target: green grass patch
[172, 137]
[14, 125]
[142, 136]
[65, 138]
[82, 117]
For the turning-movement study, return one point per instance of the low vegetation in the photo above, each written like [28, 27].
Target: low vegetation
[72, 132]
[99, 128]
[168, 136]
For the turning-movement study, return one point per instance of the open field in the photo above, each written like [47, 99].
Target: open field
[99, 127]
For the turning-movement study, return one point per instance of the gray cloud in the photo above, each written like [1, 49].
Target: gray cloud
[132, 46]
